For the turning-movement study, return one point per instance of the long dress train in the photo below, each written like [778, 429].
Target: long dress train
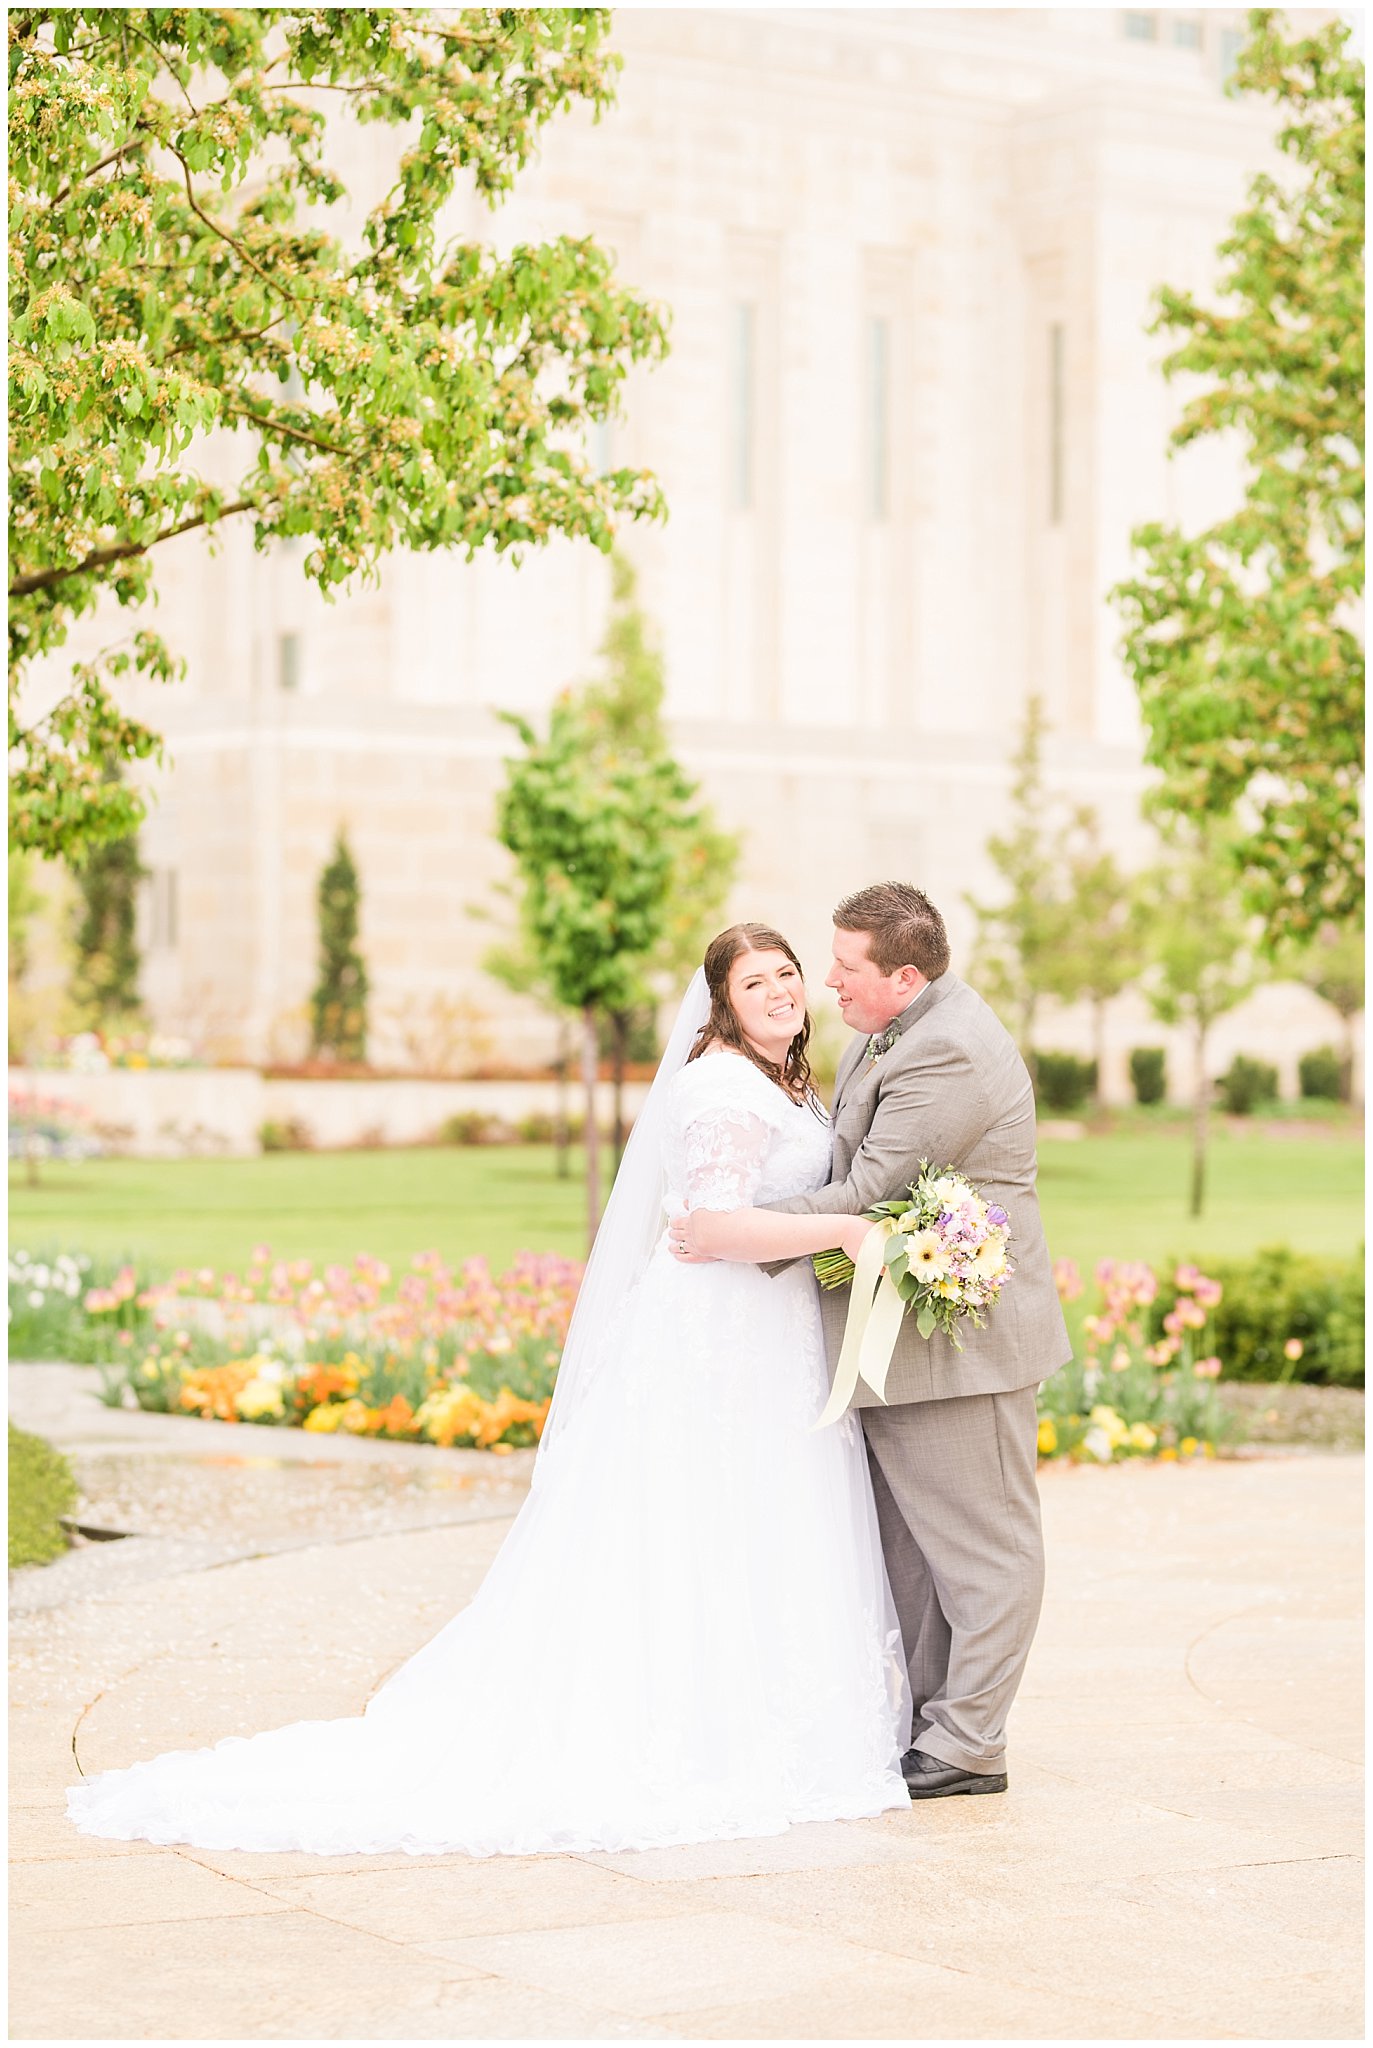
[687, 1633]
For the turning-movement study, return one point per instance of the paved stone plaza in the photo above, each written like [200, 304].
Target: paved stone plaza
[1178, 1855]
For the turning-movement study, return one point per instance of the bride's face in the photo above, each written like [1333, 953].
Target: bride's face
[768, 997]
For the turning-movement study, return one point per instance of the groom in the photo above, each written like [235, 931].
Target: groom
[934, 1075]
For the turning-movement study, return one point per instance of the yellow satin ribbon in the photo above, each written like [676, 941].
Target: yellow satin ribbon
[874, 1322]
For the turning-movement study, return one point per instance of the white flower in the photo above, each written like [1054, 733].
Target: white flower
[927, 1256]
[1099, 1444]
[989, 1258]
[42, 1277]
[35, 1298]
[947, 1192]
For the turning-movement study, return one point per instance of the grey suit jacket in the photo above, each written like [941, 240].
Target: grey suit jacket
[953, 1090]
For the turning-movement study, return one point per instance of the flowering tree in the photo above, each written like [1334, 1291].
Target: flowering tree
[1242, 639]
[177, 272]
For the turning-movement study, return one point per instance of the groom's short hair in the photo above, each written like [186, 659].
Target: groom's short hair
[903, 926]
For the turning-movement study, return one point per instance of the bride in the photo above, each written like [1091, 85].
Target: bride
[687, 1633]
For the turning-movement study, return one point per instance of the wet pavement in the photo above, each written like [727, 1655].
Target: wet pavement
[161, 1494]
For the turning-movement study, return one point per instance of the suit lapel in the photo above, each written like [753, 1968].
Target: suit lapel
[855, 1071]
[849, 1065]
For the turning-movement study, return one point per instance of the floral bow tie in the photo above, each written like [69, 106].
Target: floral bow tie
[882, 1041]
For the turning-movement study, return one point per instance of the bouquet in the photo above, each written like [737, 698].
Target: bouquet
[944, 1252]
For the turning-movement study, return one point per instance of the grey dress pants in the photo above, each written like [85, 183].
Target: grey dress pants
[958, 1508]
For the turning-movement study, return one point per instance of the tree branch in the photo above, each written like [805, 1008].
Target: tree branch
[271, 426]
[163, 61]
[235, 334]
[101, 558]
[105, 161]
[223, 233]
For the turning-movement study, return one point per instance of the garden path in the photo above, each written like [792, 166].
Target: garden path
[1177, 1857]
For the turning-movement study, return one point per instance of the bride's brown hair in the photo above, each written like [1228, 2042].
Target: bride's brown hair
[722, 1027]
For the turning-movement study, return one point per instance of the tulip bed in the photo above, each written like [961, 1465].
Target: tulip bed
[433, 1355]
[1124, 1397]
[465, 1357]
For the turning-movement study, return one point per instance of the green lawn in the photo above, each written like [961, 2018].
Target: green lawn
[1121, 1195]
[1124, 1195]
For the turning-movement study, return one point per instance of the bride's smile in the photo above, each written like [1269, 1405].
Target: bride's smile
[768, 997]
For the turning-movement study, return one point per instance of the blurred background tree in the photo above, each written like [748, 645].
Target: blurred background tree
[1106, 930]
[105, 934]
[629, 698]
[1203, 958]
[338, 1004]
[592, 827]
[1333, 965]
[178, 267]
[622, 712]
[1242, 639]
[1022, 941]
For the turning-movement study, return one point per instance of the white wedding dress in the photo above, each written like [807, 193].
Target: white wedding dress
[687, 1634]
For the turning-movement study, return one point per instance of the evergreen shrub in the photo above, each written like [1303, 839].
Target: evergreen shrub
[1149, 1073]
[1322, 1075]
[290, 1135]
[1245, 1084]
[42, 1488]
[1063, 1081]
[1280, 1298]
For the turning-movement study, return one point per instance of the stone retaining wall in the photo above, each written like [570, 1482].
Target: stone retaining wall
[168, 1112]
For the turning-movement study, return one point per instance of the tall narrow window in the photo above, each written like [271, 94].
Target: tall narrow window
[1231, 43]
[602, 446]
[744, 376]
[1056, 423]
[163, 892]
[169, 920]
[288, 661]
[879, 418]
[1187, 32]
[1141, 28]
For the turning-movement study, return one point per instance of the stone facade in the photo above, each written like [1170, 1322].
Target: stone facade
[909, 419]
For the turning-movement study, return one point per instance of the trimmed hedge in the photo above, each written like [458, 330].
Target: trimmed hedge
[1322, 1075]
[1246, 1083]
[42, 1488]
[1278, 1296]
[1149, 1073]
[1063, 1081]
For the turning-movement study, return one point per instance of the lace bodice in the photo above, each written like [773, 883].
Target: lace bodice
[733, 1139]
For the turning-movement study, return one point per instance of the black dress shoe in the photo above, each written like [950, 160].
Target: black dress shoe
[928, 1777]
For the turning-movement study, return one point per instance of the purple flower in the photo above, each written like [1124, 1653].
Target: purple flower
[997, 1218]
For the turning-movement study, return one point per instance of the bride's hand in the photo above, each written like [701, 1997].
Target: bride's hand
[684, 1232]
[852, 1236]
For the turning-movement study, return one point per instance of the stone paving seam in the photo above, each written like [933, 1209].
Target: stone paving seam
[1221, 1621]
[873, 1946]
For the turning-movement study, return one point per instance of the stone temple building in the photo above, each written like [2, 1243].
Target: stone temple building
[910, 416]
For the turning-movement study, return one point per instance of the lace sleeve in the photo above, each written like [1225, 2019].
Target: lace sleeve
[724, 1153]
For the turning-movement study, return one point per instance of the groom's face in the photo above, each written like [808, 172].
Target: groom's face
[868, 998]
